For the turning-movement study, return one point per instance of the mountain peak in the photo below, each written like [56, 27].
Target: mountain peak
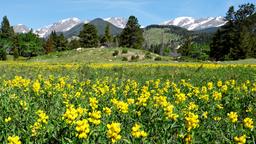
[117, 21]
[60, 26]
[191, 23]
[21, 28]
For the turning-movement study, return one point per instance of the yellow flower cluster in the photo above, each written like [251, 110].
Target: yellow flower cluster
[73, 113]
[36, 87]
[240, 140]
[113, 132]
[107, 110]
[93, 103]
[42, 119]
[192, 121]
[82, 128]
[7, 120]
[248, 123]
[122, 106]
[233, 116]
[137, 133]
[95, 117]
[14, 139]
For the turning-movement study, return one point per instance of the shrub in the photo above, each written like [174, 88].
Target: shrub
[116, 52]
[148, 55]
[158, 59]
[124, 51]
[135, 58]
[124, 59]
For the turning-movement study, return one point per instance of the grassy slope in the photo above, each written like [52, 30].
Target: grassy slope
[157, 35]
[94, 55]
[104, 55]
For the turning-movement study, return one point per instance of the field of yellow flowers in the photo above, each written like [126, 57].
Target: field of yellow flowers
[122, 103]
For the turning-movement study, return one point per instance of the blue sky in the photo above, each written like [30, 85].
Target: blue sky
[38, 13]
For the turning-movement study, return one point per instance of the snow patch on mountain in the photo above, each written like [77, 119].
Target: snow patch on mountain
[20, 28]
[196, 24]
[61, 26]
[117, 21]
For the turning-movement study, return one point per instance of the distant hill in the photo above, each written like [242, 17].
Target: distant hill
[99, 23]
[157, 34]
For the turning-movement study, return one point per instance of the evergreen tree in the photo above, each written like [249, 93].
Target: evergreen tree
[30, 44]
[186, 48]
[16, 46]
[48, 46]
[3, 54]
[107, 38]
[233, 40]
[74, 44]
[6, 30]
[61, 43]
[88, 36]
[230, 15]
[132, 34]
[54, 37]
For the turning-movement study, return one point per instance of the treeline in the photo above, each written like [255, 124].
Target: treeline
[29, 44]
[237, 39]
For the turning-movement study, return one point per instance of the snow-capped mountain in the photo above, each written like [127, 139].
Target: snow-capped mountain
[191, 23]
[117, 21]
[20, 28]
[61, 26]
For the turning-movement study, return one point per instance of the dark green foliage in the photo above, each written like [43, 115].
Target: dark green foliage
[135, 57]
[6, 29]
[74, 44]
[16, 46]
[61, 43]
[6, 35]
[116, 52]
[88, 36]
[48, 46]
[186, 48]
[124, 51]
[3, 54]
[148, 55]
[107, 38]
[158, 59]
[124, 59]
[236, 39]
[30, 44]
[132, 35]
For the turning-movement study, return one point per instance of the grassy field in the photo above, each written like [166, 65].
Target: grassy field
[75, 97]
[98, 55]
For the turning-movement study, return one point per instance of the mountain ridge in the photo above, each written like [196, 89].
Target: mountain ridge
[63, 26]
[194, 24]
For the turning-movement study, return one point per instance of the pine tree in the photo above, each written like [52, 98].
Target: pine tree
[16, 46]
[74, 44]
[54, 37]
[132, 34]
[49, 46]
[88, 36]
[61, 43]
[3, 54]
[233, 40]
[186, 48]
[107, 38]
[6, 30]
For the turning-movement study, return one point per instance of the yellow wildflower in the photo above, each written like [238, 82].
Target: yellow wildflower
[248, 123]
[233, 116]
[113, 131]
[240, 140]
[13, 140]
